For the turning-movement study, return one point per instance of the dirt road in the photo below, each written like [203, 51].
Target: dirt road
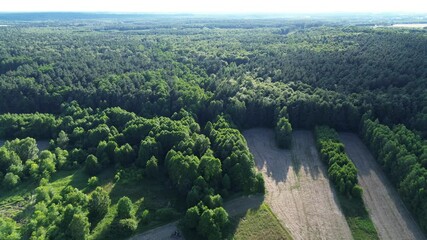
[299, 193]
[391, 219]
[234, 207]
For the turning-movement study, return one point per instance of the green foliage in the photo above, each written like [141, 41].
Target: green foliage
[25, 148]
[98, 204]
[152, 168]
[283, 133]
[341, 169]
[92, 167]
[166, 214]
[79, 227]
[124, 208]
[8, 229]
[124, 227]
[93, 182]
[147, 149]
[183, 170]
[10, 180]
[209, 223]
[125, 155]
[401, 152]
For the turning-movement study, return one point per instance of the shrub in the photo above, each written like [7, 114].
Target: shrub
[10, 180]
[124, 227]
[92, 167]
[92, 182]
[145, 217]
[124, 208]
[98, 204]
[164, 214]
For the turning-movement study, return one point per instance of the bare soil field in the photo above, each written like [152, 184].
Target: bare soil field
[391, 218]
[298, 191]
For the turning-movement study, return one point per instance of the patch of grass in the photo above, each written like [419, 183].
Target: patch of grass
[146, 194]
[357, 217]
[259, 223]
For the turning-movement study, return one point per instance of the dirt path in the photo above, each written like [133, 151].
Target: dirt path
[299, 194]
[234, 207]
[391, 219]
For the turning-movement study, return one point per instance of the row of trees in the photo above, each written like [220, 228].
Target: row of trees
[341, 169]
[401, 153]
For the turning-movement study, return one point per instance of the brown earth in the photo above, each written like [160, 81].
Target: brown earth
[298, 191]
[388, 213]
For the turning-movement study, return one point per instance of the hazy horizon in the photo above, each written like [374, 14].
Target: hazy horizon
[214, 7]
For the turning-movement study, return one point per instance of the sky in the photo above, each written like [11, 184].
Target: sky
[215, 6]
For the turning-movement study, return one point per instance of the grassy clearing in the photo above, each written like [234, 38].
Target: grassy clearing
[358, 219]
[257, 224]
[146, 194]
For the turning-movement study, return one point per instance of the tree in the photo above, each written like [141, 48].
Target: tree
[124, 227]
[79, 227]
[152, 168]
[283, 133]
[10, 180]
[210, 168]
[47, 164]
[92, 167]
[191, 218]
[25, 148]
[98, 204]
[8, 229]
[148, 148]
[124, 208]
[62, 140]
[125, 155]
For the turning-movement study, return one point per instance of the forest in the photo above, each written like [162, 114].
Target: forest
[143, 115]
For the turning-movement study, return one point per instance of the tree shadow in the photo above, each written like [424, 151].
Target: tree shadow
[267, 155]
[276, 162]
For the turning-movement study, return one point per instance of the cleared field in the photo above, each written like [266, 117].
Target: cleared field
[299, 193]
[391, 218]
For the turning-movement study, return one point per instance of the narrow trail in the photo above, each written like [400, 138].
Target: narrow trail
[390, 216]
[298, 191]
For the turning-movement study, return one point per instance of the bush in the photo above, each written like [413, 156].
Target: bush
[8, 229]
[152, 169]
[124, 227]
[10, 180]
[92, 182]
[124, 208]
[98, 204]
[164, 214]
[145, 217]
[92, 167]
[357, 191]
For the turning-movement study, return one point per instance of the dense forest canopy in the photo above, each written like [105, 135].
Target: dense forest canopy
[232, 66]
[162, 100]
